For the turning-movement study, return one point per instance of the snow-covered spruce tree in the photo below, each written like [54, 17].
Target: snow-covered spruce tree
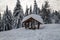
[27, 11]
[17, 15]
[46, 13]
[7, 20]
[30, 10]
[0, 16]
[0, 23]
[56, 16]
[59, 16]
[36, 10]
[35, 7]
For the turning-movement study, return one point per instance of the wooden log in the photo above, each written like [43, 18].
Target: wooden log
[38, 25]
[31, 25]
[28, 24]
[25, 25]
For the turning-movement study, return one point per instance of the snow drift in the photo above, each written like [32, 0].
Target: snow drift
[49, 32]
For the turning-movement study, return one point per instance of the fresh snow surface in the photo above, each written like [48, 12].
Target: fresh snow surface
[47, 32]
[34, 16]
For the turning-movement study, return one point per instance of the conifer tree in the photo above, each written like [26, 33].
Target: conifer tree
[35, 7]
[46, 13]
[0, 23]
[17, 9]
[17, 15]
[27, 11]
[38, 11]
[30, 10]
[7, 20]
[56, 17]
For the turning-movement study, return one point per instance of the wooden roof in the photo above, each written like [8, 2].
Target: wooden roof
[33, 16]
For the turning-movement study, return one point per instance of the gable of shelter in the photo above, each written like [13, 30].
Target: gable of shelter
[34, 17]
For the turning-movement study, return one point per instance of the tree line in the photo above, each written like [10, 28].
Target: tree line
[13, 20]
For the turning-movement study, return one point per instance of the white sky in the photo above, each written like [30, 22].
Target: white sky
[54, 4]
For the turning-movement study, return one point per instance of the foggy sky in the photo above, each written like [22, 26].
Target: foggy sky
[54, 4]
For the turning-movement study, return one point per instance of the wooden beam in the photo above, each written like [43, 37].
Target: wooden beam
[28, 24]
[25, 25]
[38, 25]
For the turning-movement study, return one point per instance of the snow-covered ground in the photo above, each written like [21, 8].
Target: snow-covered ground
[48, 32]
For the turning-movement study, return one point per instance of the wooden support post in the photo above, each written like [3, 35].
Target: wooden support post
[31, 24]
[25, 25]
[22, 24]
[38, 25]
[28, 24]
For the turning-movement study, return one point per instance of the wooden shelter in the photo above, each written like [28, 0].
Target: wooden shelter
[32, 21]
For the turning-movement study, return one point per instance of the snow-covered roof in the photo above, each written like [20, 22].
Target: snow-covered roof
[34, 16]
